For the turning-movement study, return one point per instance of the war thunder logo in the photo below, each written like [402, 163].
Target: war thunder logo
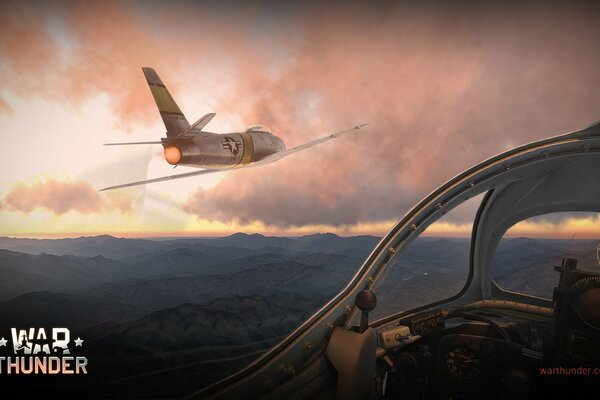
[42, 351]
[231, 145]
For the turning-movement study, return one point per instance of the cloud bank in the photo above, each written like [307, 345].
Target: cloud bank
[442, 85]
[61, 197]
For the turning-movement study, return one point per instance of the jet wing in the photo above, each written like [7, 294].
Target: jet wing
[166, 178]
[266, 160]
[287, 152]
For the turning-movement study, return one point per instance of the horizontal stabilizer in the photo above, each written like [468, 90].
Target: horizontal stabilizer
[201, 123]
[128, 143]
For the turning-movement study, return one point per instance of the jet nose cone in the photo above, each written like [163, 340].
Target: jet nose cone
[172, 155]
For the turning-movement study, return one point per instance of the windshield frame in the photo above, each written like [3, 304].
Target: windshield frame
[501, 293]
[400, 314]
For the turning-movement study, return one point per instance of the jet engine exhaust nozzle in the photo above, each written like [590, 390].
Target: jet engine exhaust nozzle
[172, 155]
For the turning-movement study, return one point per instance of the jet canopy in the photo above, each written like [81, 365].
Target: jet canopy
[259, 128]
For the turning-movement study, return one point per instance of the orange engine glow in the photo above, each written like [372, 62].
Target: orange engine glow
[172, 155]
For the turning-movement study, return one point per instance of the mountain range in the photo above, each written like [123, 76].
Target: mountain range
[163, 317]
[117, 248]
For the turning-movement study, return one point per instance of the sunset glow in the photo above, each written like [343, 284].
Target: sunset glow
[437, 101]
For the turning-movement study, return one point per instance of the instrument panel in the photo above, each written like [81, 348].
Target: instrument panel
[471, 366]
[462, 363]
[468, 360]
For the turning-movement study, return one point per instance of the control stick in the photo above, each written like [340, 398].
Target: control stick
[365, 301]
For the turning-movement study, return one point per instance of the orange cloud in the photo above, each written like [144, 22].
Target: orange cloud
[443, 86]
[62, 197]
[5, 107]
[71, 51]
[426, 86]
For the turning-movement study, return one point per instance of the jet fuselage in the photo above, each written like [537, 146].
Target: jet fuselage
[211, 150]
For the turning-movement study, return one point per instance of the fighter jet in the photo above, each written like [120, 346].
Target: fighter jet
[190, 145]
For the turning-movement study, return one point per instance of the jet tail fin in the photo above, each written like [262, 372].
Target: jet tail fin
[171, 114]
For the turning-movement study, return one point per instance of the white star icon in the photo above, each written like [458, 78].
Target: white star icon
[78, 342]
[2, 342]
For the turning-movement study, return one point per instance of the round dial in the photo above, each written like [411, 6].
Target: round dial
[584, 298]
[462, 363]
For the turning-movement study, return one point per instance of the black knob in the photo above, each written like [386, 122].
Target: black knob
[366, 300]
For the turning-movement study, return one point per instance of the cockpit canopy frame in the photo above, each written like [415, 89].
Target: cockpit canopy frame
[555, 174]
[259, 128]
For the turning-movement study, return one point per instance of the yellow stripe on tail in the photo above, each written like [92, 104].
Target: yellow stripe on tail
[173, 118]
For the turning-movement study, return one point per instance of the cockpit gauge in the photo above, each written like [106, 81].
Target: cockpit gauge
[463, 363]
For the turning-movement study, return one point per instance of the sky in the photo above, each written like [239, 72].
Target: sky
[442, 86]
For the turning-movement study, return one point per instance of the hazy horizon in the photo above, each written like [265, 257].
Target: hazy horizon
[59, 236]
